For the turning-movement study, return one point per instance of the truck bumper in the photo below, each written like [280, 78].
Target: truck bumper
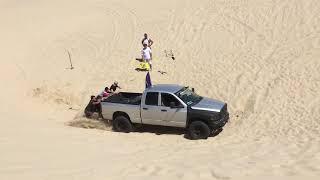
[221, 122]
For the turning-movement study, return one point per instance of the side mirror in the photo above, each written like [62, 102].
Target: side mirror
[173, 105]
[192, 89]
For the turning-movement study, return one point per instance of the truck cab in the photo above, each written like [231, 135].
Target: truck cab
[161, 106]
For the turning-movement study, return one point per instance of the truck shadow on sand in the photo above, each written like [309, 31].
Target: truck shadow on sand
[102, 124]
[163, 130]
[159, 130]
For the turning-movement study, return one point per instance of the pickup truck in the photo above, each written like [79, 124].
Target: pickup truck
[166, 105]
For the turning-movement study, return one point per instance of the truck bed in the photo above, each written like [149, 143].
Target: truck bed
[125, 98]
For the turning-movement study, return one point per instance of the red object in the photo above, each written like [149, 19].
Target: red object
[105, 94]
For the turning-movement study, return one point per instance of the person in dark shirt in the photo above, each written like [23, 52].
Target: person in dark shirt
[97, 105]
[93, 106]
[114, 86]
[146, 40]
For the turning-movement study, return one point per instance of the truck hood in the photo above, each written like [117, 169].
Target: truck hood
[207, 104]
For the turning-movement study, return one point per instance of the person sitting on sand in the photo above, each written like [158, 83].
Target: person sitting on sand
[146, 40]
[114, 87]
[146, 54]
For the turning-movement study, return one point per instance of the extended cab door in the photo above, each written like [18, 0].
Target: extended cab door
[150, 109]
[176, 115]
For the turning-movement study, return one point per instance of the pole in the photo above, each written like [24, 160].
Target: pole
[70, 59]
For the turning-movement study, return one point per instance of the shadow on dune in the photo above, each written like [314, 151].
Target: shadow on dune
[159, 130]
[103, 124]
[141, 69]
[164, 130]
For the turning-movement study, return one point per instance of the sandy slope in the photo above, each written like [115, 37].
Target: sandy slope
[262, 57]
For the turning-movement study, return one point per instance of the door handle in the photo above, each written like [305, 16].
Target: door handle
[145, 108]
[163, 110]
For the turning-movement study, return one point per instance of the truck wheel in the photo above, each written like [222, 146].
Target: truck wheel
[198, 130]
[122, 124]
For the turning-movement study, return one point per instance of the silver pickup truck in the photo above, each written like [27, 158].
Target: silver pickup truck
[166, 105]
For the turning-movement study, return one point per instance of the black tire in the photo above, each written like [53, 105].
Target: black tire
[122, 124]
[198, 130]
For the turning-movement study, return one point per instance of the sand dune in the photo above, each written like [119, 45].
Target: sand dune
[262, 57]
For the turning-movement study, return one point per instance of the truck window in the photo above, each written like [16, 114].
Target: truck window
[152, 98]
[167, 98]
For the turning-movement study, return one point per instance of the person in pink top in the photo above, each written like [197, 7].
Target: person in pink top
[105, 93]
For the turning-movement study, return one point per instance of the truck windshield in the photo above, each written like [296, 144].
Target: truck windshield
[188, 96]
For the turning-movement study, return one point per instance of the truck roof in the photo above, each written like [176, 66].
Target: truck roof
[170, 88]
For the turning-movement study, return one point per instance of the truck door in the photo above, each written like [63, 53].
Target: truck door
[150, 109]
[173, 116]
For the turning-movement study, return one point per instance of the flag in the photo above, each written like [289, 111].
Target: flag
[148, 80]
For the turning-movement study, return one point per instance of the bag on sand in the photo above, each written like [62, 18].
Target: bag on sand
[144, 66]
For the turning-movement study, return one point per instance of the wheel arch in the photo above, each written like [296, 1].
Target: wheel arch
[120, 113]
[198, 119]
